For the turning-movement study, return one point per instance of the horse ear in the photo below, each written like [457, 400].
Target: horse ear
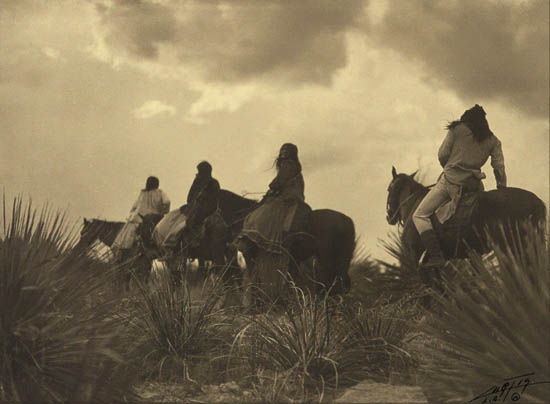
[413, 174]
[393, 172]
[86, 221]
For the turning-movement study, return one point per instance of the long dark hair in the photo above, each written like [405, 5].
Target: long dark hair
[151, 183]
[474, 118]
[292, 152]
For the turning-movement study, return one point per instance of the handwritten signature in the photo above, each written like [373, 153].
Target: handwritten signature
[511, 387]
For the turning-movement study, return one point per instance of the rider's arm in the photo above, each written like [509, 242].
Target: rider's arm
[135, 205]
[446, 148]
[214, 185]
[497, 162]
[193, 190]
[165, 202]
[287, 170]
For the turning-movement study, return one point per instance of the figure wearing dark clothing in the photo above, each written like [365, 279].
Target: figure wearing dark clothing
[201, 181]
[268, 224]
[202, 199]
[289, 182]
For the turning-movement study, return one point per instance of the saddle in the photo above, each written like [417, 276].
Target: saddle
[276, 223]
[457, 224]
[299, 220]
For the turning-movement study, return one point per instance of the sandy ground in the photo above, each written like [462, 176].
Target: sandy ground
[365, 392]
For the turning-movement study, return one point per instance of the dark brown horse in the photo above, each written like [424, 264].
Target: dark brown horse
[497, 213]
[220, 228]
[98, 229]
[330, 240]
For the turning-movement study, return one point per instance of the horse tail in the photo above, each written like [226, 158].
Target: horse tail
[335, 236]
[344, 249]
[539, 216]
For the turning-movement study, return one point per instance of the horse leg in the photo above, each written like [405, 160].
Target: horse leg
[176, 268]
[202, 264]
[124, 269]
[144, 269]
[249, 292]
[232, 278]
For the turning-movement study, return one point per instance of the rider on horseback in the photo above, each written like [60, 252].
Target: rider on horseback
[152, 202]
[202, 201]
[466, 148]
[281, 208]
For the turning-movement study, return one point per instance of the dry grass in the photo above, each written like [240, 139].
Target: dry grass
[317, 345]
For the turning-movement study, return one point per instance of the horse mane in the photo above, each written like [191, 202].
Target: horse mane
[233, 198]
[101, 229]
[415, 185]
[104, 222]
[233, 206]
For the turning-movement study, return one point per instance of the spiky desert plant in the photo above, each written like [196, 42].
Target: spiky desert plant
[494, 325]
[376, 281]
[382, 332]
[174, 326]
[305, 347]
[57, 327]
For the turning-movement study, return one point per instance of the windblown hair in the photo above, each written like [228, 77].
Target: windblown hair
[151, 183]
[292, 151]
[475, 119]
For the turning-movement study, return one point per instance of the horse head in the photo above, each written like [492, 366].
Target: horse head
[146, 227]
[98, 229]
[88, 232]
[399, 185]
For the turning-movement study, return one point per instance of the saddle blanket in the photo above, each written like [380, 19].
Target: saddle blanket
[165, 234]
[126, 237]
[456, 214]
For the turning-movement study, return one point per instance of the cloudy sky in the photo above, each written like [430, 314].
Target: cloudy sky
[97, 95]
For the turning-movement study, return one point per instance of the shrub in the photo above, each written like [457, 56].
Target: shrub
[58, 336]
[494, 325]
[173, 326]
[378, 282]
[300, 351]
[382, 332]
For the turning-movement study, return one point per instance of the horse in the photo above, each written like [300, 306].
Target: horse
[330, 241]
[135, 259]
[97, 229]
[220, 228]
[495, 216]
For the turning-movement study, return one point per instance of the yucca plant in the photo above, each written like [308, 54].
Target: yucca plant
[301, 350]
[382, 332]
[376, 281]
[58, 336]
[174, 326]
[494, 325]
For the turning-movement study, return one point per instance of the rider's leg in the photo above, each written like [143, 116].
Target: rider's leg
[421, 219]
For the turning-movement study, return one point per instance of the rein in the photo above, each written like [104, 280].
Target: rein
[245, 193]
[398, 210]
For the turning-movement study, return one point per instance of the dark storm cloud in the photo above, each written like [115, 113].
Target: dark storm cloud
[237, 40]
[481, 49]
[138, 26]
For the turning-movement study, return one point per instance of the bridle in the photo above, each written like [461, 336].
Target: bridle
[391, 213]
[390, 217]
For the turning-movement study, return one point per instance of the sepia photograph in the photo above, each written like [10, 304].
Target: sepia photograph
[275, 201]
